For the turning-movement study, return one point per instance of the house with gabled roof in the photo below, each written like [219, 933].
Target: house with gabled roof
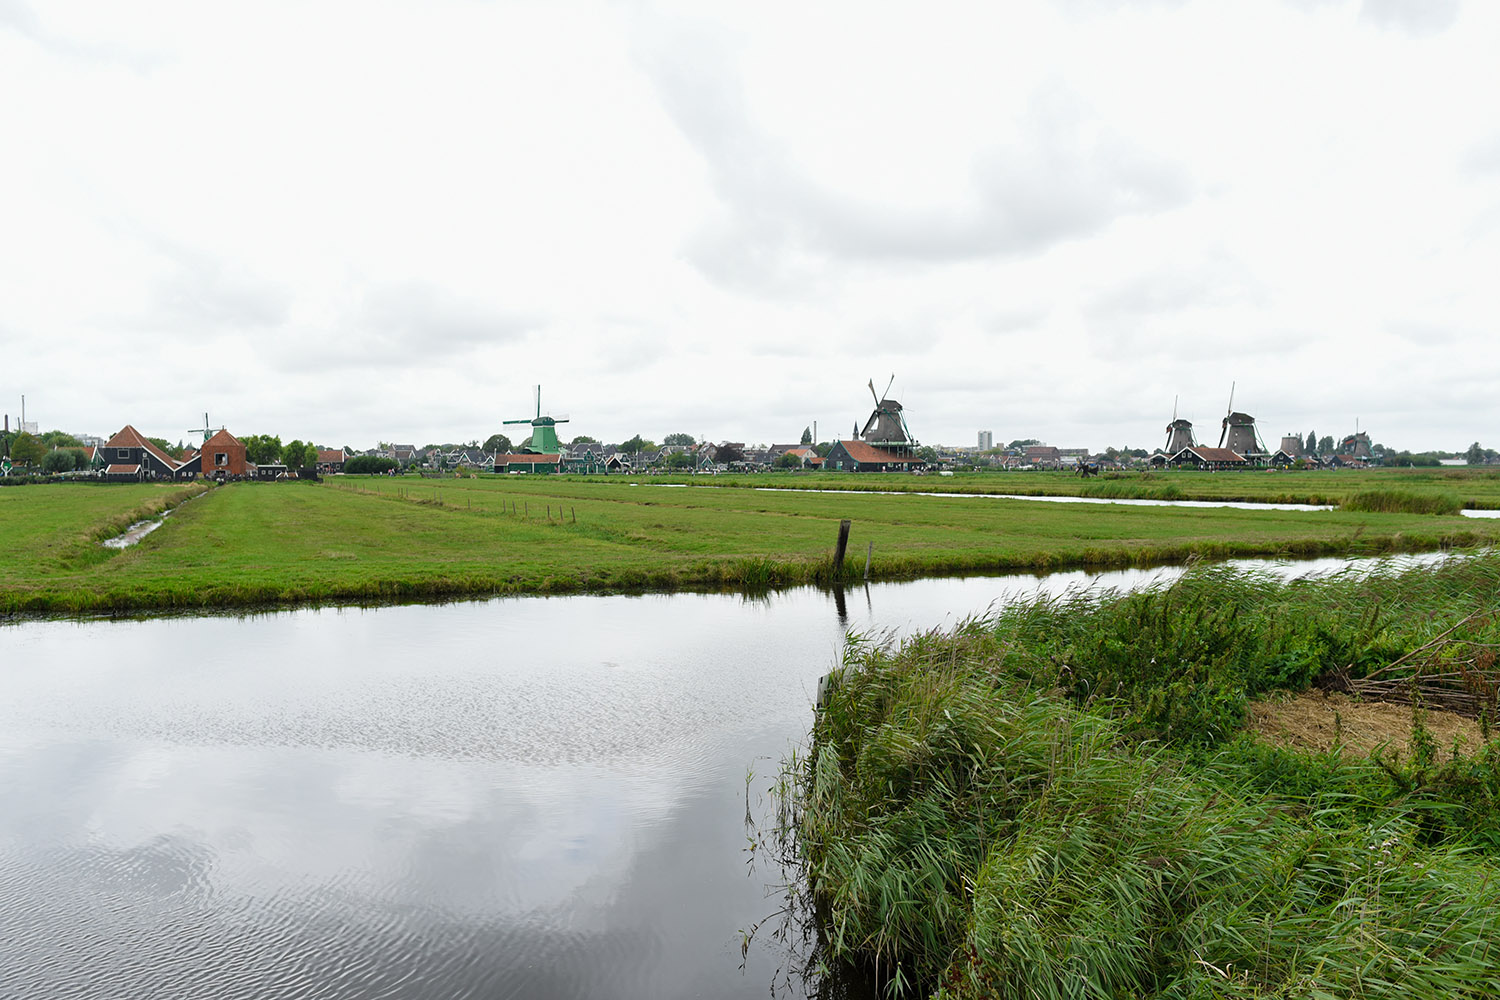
[528, 463]
[861, 456]
[128, 456]
[1209, 458]
[585, 457]
[331, 460]
[223, 457]
[804, 454]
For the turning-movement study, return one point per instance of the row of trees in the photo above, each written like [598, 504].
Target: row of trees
[267, 449]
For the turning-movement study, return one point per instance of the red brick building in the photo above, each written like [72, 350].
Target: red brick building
[223, 455]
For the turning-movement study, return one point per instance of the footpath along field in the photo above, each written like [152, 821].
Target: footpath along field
[356, 538]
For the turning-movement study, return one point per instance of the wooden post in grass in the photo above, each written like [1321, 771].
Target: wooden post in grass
[574, 511]
[838, 551]
[868, 553]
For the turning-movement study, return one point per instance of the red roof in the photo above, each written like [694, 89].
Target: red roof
[862, 452]
[1215, 454]
[122, 470]
[129, 437]
[527, 459]
[331, 456]
[223, 439]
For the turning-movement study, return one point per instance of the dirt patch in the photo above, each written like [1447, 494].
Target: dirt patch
[1312, 720]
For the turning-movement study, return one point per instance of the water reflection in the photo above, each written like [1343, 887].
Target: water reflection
[537, 797]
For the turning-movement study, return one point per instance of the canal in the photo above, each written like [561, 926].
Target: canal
[526, 797]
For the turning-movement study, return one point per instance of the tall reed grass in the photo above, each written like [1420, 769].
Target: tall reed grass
[1403, 502]
[1052, 802]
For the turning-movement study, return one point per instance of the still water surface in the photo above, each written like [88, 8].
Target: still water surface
[534, 797]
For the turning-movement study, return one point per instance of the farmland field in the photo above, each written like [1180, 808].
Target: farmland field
[373, 539]
[1475, 488]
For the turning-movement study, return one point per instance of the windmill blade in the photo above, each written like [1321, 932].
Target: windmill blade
[560, 419]
[515, 421]
[872, 393]
[887, 394]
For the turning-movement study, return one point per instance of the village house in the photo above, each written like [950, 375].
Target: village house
[529, 464]
[859, 456]
[223, 457]
[331, 462]
[129, 457]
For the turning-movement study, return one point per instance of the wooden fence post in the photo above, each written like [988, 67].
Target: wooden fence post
[838, 551]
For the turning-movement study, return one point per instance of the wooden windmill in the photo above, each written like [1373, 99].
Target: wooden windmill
[1179, 433]
[543, 430]
[886, 427]
[205, 430]
[1239, 434]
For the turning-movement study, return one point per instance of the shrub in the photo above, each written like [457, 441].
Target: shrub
[369, 465]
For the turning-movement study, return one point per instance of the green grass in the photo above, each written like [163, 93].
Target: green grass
[374, 539]
[1477, 488]
[1049, 803]
[1403, 501]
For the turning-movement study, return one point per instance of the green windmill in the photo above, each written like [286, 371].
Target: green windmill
[543, 431]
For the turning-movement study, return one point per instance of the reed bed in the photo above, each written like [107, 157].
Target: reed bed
[1403, 502]
[1055, 801]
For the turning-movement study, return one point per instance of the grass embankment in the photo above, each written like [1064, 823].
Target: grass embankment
[1057, 801]
[382, 539]
[1475, 488]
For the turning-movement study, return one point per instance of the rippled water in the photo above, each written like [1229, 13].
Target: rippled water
[538, 798]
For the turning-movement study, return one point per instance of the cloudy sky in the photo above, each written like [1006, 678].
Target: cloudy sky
[363, 221]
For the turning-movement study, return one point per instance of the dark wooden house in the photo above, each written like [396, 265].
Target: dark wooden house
[859, 456]
[128, 456]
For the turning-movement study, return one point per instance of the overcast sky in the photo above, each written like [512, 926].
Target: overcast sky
[363, 221]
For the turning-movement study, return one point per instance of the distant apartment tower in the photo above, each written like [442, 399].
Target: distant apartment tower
[986, 440]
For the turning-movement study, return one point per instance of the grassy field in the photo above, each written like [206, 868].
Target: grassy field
[1472, 488]
[377, 539]
[1058, 801]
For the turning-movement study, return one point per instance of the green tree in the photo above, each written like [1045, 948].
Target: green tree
[368, 465]
[585, 439]
[164, 445]
[60, 460]
[1325, 444]
[26, 450]
[787, 460]
[636, 445]
[822, 449]
[1312, 443]
[928, 454]
[60, 439]
[498, 443]
[680, 460]
[729, 452]
[297, 455]
[1475, 454]
[807, 435]
[262, 449]
[1022, 443]
[683, 439]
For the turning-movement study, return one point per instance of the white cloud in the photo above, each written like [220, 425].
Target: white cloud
[1046, 218]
